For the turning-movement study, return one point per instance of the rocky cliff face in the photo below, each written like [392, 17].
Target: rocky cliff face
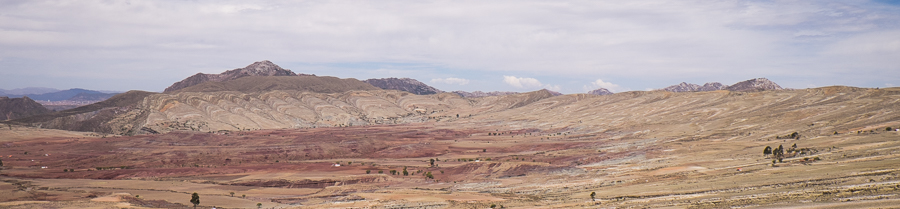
[403, 84]
[756, 84]
[600, 91]
[19, 107]
[261, 68]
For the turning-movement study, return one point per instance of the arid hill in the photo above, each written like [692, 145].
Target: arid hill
[317, 84]
[261, 68]
[403, 84]
[13, 108]
[114, 115]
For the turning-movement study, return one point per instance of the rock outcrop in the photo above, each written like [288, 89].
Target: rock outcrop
[403, 84]
[261, 68]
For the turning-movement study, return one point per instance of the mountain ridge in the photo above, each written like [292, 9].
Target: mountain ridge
[756, 84]
[260, 68]
[403, 84]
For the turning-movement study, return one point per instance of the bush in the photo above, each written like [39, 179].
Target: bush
[368, 171]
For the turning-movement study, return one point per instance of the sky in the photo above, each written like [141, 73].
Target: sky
[522, 45]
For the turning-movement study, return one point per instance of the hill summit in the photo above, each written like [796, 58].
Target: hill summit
[261, 68]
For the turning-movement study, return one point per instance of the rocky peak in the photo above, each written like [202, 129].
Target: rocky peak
[403, 84]
[756, 84]
[600, 91]
[713, 86]
[261, 68]
[683, 87]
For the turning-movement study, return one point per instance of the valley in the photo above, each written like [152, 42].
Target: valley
[634, 149]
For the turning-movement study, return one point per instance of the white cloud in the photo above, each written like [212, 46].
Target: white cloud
[522, 82]
[553, 87]
[528, 83]
[451, 80]
[599, 83]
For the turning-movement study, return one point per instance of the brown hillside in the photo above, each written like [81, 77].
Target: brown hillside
[261, 68]
[94, 117]
[318, 84]
[19, 108]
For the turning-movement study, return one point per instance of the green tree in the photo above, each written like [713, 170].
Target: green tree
[1, 162]
[405, 173]
[258, 205]
[428, 175]
[767, 151]
[432, 162]
[232, 194]
[368, 171]
[195, 199]
[593, 194]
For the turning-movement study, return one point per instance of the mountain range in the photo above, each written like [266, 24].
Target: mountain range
[48, 94]
[263, 95]
[756, 84]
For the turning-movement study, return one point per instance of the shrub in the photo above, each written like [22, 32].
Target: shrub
[368, 171]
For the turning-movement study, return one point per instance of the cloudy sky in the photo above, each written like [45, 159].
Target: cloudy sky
[567, 46]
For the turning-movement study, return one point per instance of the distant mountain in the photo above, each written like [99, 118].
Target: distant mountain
[261, 68]
[59, 95]
[714, 86]
[317, 84]
[14, 108]
[600, 91]
[27, 91]
[483, 94]
[403, 84]
[756, 84]
[91, 96]
[682, 87]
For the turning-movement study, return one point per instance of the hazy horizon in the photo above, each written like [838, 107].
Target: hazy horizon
[565, 46]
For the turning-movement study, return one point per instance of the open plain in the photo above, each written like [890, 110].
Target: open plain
[386, 149]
